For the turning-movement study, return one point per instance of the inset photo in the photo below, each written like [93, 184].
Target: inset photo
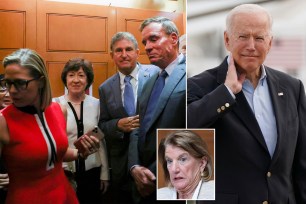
[186, 164]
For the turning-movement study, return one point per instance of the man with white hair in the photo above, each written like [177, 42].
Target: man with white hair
[258, 113]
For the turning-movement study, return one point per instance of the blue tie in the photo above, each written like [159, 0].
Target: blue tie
[129, 101]
[157, 89]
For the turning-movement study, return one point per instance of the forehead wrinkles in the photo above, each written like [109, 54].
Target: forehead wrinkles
[250, 22]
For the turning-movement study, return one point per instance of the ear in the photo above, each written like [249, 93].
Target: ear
[270, 43]
[174, 38]
[226, 40]
[137, 52]
[41, 82]
[203, 163]
[111, 54]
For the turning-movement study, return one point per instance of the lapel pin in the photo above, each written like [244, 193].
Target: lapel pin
[280, 94]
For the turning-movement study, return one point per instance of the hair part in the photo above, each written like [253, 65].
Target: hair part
[123, 36]
[247, 9]
[32, 61]
[76, 64]
[190, 142]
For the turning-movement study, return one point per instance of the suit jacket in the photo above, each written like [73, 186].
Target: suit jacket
[170, 113]
[244, 170]
[112, 110]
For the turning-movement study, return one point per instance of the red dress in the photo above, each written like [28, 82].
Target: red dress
[34, 155]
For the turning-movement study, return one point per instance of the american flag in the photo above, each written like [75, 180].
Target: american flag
[287, 53]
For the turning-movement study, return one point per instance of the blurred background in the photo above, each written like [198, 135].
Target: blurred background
[206, 24]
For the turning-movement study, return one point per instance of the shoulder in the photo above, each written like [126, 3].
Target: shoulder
[108, 81]
[165, 193]
[4, 134]
[207, 190]
[148, 68]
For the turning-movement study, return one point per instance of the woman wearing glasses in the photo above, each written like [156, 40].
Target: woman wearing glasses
[33, 140]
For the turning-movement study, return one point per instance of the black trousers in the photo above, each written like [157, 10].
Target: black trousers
[88, 186]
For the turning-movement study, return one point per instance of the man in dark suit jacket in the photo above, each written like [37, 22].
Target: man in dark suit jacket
[259, 116]
[160, 37]
[114, 119]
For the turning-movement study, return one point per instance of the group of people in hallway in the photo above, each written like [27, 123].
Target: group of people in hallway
[47, 145]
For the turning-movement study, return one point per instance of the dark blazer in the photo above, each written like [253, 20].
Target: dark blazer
[170, 113]
[245, 172]
[111, 110]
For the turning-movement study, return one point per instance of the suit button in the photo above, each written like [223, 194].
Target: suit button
[219, 110]
[269, 174]
[223, 108]
[265, 202]
[227, 105]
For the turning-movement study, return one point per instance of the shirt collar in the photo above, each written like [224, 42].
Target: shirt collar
[134, 74]
[169, 69]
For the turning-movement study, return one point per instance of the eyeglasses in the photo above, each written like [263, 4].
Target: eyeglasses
[19, 84]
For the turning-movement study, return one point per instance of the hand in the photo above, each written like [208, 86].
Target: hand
[87, 145]
[4, 181]
[104, 186]
[128, 124]
[144, 180]
[232, 80]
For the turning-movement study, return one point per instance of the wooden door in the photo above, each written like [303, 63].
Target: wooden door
[17, 26]
[68, 30]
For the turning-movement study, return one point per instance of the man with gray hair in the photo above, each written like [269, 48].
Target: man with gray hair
[162, 105]
[258, 114]
[118, 99]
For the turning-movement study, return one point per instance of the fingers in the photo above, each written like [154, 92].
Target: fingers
[104, 186]
[149, 175]
[4, 181]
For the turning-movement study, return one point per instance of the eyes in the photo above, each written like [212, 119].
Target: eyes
[151, 39]
[180, 160]
[119, 51]
[259, 38]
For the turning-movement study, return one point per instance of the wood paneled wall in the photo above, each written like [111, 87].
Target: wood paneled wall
[61, 31]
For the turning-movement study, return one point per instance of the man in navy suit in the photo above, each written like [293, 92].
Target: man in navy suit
[167, 109]
[258, 114]
[116, 121]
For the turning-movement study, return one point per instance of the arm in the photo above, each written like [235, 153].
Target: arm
[4, 139]
[114, 126]
[205, 94]
[104, 175]
[143, 177]
[299, 164]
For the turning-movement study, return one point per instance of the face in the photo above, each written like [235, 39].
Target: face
[125, 56]
[5, 98]
[23, 88]
[183, 168]
[76, 81]
[160, 47]
[249, 41]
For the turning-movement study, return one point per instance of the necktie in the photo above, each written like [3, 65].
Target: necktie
[129, 101]
[157, 89]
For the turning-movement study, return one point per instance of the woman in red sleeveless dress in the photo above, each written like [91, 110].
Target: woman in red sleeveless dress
[33, 141]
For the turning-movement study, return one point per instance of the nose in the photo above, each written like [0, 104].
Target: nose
[251, 43]
[7, 93]
[123, 53]
[174, 168]
[148, 46]
[12, 89]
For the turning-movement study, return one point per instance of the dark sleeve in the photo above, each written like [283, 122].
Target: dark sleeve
[133, 157]
[299, 166]
[106, 123]
[206, 103]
